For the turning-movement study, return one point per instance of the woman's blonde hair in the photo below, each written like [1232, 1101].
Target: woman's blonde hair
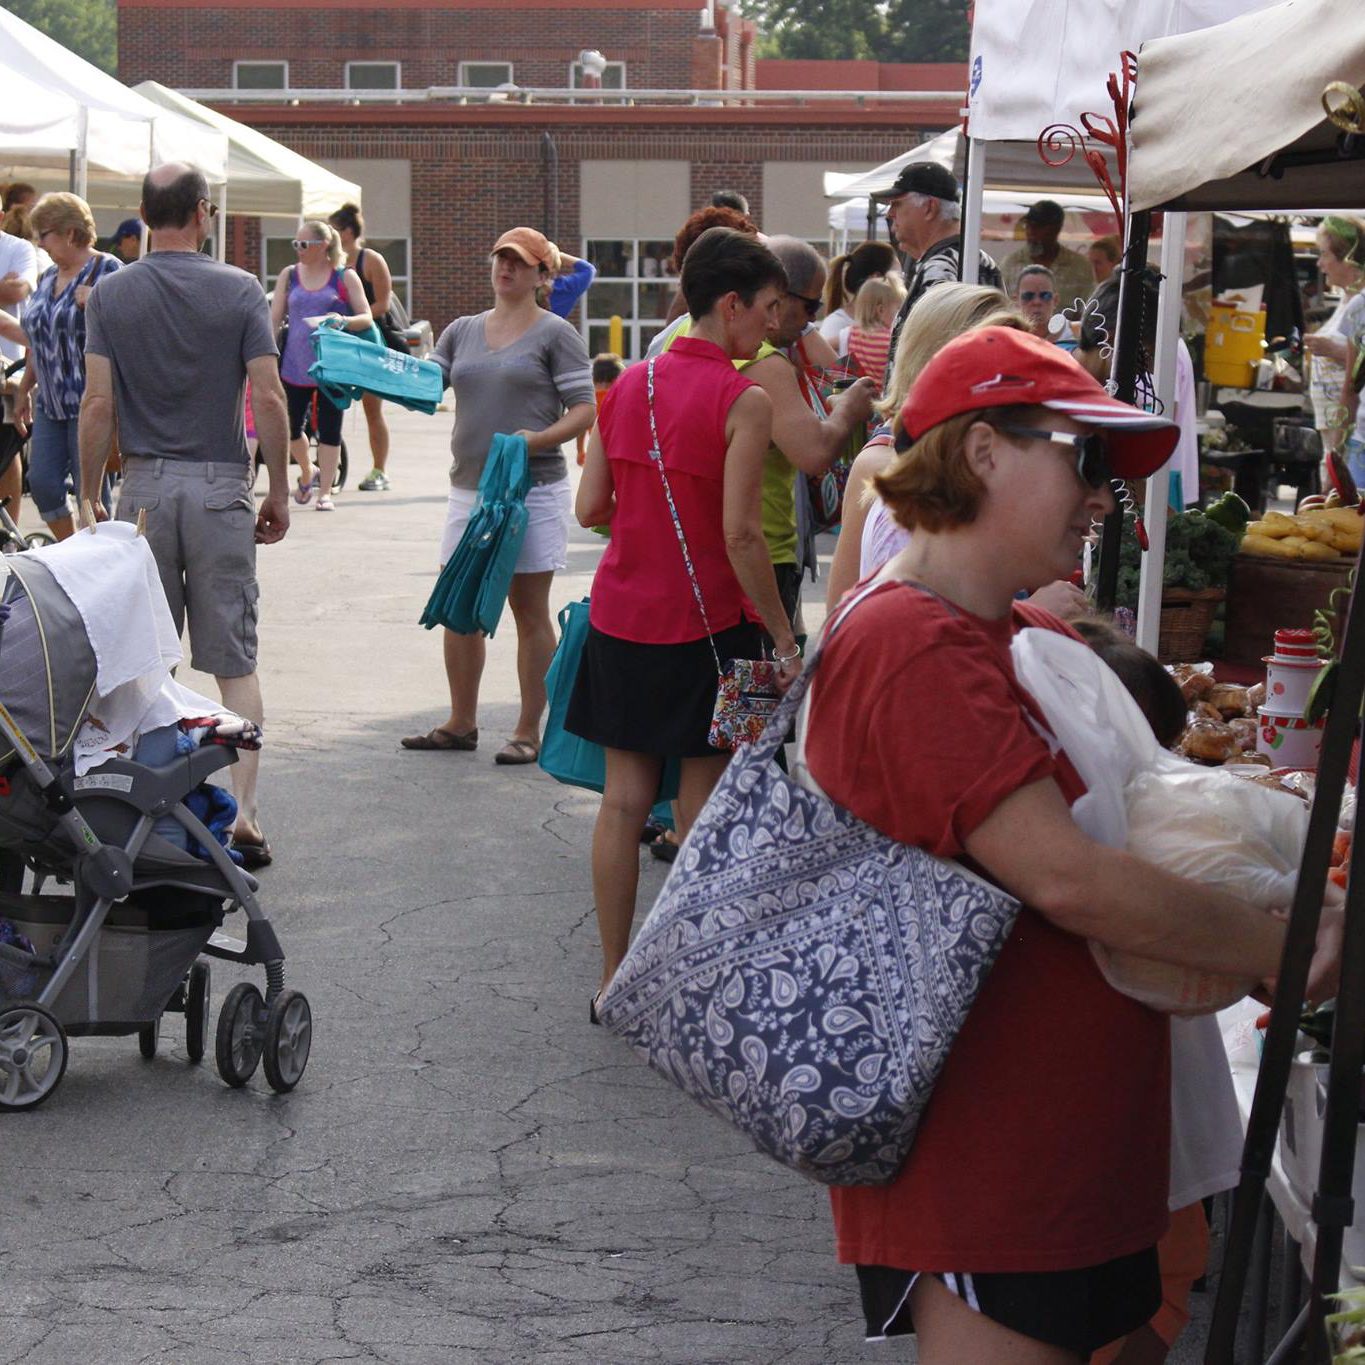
[325, 232]
[944, 312]
[62, 212]
[874, 295]
[1344, 238]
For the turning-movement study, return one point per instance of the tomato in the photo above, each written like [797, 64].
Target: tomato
[1341, 848]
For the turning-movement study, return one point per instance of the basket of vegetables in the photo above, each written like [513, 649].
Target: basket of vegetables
[1200, 546]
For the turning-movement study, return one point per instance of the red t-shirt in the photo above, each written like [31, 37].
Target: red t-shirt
[869, 349]
[1045, 1143]
[641, 591]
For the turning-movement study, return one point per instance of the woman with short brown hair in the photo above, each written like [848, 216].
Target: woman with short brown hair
[1023, 1223]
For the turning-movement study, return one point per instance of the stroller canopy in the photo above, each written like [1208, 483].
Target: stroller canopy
[47, 667]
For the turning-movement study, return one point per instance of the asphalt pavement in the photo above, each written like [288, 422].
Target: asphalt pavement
[468, 1170]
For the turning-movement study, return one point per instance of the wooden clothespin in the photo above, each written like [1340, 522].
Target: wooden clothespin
[142, 521]
[88, 515]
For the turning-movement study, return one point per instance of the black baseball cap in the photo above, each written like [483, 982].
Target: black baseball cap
[1046, 213]
[130, 227]
[924, 177]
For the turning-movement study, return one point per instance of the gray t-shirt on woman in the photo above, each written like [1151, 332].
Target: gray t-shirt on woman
[523, 386]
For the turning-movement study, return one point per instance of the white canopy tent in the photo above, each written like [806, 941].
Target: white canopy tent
[1277, 152]
[37, 122]
[1014, 166]
[265, 178]
[118, 134]
[1192, 149]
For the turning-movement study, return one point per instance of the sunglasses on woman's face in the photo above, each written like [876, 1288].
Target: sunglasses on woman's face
[1091, 452]
[301, 245]
[1042, 295]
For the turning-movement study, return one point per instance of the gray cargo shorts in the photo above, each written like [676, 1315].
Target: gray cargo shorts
[201, 525]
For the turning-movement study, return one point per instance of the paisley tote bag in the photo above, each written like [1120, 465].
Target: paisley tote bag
[802, 975]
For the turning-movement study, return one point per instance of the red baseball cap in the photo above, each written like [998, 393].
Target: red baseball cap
[998, 367]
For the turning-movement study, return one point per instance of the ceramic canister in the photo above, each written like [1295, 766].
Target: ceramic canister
[1290, 741]
[1291, 671]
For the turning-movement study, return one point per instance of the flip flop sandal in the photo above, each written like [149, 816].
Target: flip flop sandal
[254, 856]
[664, 848]
[302, 492]
[517, 751]
[438, 738]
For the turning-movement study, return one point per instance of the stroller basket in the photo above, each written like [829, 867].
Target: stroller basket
[134, 969]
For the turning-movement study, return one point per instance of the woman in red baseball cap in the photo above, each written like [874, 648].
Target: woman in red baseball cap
[1023, 1224]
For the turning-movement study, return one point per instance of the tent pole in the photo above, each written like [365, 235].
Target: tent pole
[221, 230]
[1158, 485]
[970, 269]
[1127, 351]
[82, 162]
[871, 219]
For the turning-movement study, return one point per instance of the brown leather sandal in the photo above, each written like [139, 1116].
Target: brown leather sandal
[438, 738]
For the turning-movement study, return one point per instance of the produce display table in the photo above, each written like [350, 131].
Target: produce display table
[1268, 594]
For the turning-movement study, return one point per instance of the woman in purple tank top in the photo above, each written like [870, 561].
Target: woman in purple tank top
[318, 285]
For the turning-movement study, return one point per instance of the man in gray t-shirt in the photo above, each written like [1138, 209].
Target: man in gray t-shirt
[169, 352]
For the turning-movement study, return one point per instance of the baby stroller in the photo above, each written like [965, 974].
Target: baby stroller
[125, 946]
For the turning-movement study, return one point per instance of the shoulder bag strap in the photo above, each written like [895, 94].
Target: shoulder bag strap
[656, 454]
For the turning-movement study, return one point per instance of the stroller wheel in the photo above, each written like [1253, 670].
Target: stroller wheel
[241, 1033]
[33, 1056]
[197, 1012]
[288, 1040]
[147, 1038]
[36, 540]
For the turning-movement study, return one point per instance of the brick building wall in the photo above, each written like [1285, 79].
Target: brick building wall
[194, 47]
[469, 184]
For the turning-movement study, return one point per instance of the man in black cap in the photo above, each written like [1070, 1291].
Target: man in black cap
[923, 212]
[127, 239]
[1073, 273]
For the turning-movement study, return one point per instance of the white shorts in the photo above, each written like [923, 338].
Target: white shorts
[546, 546]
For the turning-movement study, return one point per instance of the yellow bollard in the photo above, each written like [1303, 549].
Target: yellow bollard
[616, 334]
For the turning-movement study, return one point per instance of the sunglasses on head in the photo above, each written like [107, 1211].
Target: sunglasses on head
[812, 305]
[1091, 452]
[1043, 295]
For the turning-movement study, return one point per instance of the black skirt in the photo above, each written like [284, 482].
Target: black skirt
[653, 699]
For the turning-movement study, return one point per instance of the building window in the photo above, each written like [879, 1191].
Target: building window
[485, 75]
[260, 75]
[374, 76]
[278, 252]
[613, 78]
[634, 283]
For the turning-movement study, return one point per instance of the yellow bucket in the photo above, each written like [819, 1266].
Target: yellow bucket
[1233, 345]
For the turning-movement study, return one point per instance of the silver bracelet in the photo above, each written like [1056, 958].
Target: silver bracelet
[786, 658]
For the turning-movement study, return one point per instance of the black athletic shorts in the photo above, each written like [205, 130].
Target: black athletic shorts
[1078, 1310]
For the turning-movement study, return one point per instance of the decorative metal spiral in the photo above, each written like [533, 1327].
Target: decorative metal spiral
[1062, 141]
[1345, 106]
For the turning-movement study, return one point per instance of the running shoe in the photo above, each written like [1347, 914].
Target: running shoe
[376, 481]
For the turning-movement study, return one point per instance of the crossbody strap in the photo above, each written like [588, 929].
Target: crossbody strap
[656, 454]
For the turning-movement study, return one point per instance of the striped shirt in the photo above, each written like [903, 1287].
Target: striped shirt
[870, 348]
[56, 334]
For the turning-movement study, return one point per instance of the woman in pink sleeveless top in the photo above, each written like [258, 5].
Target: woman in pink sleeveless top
[646, 685]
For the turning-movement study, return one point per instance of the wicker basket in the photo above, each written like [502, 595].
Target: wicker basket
[1186, 617]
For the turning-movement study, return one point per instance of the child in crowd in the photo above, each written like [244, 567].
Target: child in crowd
[869, 339]
[1206, 1137]
[607, 368]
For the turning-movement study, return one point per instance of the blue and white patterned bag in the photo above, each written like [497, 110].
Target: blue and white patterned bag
[803, 975]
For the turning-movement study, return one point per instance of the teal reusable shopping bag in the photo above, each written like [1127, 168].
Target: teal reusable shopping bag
[472, 588]
[350, 364]
[567, 758]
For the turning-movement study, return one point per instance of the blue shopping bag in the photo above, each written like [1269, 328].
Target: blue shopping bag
[472, 588]
[567, 758]
[350, 364]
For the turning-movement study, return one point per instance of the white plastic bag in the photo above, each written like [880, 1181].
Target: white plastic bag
[1201, 823]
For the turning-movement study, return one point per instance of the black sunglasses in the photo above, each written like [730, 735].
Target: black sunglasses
[1092, 453]
[812, 305]
[213, 208]
[1029, 295]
